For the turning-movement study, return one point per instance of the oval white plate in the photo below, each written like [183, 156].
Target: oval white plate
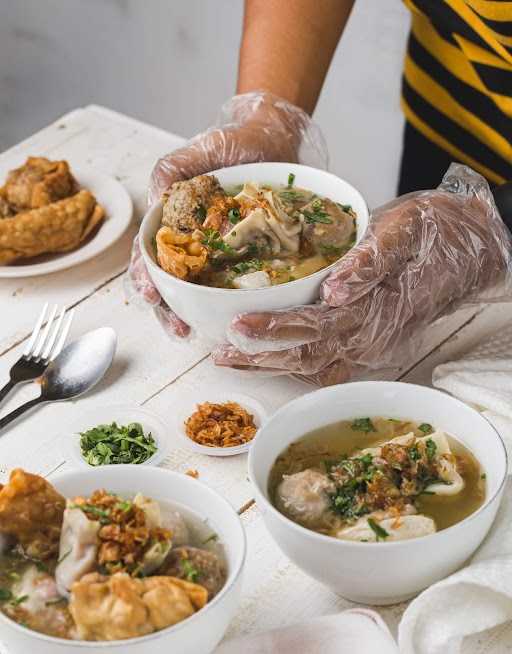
[188, 407]
[118, 206]
[123, 415]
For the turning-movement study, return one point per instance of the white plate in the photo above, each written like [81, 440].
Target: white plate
[118, 213]
[187, 408]
[123, 415]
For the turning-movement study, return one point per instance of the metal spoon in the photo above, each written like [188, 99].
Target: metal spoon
[78, 368]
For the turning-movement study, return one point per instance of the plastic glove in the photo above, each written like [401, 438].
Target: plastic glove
[252, 127]
[423, 255]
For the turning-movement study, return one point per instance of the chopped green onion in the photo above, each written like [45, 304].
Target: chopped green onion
[380, 532]
[291, 180]
[234, 216]
[363, 424]
[426, 428]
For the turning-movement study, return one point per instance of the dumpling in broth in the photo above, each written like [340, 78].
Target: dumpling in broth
[77, 550]
[397, 528]
[267, 225]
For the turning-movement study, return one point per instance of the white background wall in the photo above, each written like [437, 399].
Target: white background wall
[173, 62]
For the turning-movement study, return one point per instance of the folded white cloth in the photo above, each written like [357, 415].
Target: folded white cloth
[478, 598]
[357, 631]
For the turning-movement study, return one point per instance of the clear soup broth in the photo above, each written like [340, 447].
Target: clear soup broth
[351, 481]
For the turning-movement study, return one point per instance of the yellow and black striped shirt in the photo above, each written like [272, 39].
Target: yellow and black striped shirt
[457, 85]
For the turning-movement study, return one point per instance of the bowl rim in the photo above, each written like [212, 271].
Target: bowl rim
[300, 530]
[151, 265]
[233, 576]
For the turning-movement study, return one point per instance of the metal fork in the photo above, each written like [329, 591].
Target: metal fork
[41, 348]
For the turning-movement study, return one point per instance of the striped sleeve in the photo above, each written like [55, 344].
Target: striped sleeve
[457, 84]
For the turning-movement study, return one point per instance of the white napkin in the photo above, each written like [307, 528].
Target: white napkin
[357, 631]
[478, 598]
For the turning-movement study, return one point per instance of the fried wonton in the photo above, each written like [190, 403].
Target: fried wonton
[37, 183]
[31, 510]
[57, 227]
[120, 606]
[182, 255]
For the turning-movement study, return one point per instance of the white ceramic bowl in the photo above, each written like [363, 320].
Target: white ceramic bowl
[209, 311]
[187, 408]
[123, 415]
[198, 634]
[379, 573]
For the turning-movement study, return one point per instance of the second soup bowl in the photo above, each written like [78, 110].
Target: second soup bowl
[379, 573]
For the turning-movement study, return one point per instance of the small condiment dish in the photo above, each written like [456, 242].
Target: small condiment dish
[122, 415]
[385, 572]
[187, 408]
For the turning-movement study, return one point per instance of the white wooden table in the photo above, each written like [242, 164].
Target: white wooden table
[153, 371]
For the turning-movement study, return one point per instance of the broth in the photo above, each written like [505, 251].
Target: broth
[322, 448]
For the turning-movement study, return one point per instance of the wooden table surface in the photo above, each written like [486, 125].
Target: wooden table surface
[153, 371]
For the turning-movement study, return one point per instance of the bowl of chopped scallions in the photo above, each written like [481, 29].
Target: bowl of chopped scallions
[115, 436]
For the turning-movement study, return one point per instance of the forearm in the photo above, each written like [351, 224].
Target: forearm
[287, 46]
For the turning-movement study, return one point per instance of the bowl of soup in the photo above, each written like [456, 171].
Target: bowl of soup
[378, 489]
[253, 237]
[118, 559]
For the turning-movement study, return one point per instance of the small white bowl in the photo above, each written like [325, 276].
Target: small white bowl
[188, 408]
[379, 573]
[202, 631]
[123, 415]
[209, 311]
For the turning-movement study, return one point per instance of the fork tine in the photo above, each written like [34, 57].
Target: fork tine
[42, 340]
[63, 335]
[47, 350]
[35, 332]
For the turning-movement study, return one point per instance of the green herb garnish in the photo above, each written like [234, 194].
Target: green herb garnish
[245, 266]
[123, 506]
[112, 444]
[214, 241]
[483, 476]
[291, 180]
[426, 428]
[431, 448]
[201, 212]
[414, 453]
[5, 595]
[380, 533]
[19, 600]
[347, 208]
[363, 424]
[191, 573]
[316, 217]
[234, 216]
[213, 537]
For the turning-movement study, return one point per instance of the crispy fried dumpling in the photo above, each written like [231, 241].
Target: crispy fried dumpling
[401, 527]
[181, 255]
[56, 227]
[303, 497]
[78, 548]
[31, 510]
[119, 607]
[37, 183]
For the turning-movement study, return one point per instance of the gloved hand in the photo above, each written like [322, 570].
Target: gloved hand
[253, 127]
[423, 255]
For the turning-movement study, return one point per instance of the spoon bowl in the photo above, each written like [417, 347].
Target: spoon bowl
[77, 369]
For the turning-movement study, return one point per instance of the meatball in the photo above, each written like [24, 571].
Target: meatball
[304, 497]
[328, 229]
[202, 567]
[186, 203]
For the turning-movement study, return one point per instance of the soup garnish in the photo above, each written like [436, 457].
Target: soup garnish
[103, 567]
[253, 236]
[377, 480]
